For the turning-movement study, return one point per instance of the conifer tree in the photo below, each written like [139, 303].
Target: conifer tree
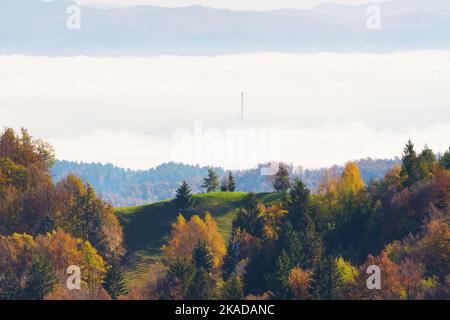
[289, 242]
[182, 271]
[426, 160]
[445, 160]
[250, 218]
[211, 182]
[203, 284]
[224, 185]
[326, 280]
[202, 257]
[282, 182]
[410, 164]
[312, 245]
[40, 280]
[47, 225]
[298, 204]
[283, 267]
[184, 199]
[231, 183]
[114, 283]
[202, 287]
[231, 260]
[233, 289]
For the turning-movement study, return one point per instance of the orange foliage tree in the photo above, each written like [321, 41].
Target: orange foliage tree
[186, 236]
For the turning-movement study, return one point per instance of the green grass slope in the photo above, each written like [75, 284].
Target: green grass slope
[147, 228]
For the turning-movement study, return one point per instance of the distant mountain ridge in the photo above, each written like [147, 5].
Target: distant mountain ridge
[39, 28]
[125, 187]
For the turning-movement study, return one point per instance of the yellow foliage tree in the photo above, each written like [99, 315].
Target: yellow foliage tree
[351, 181]
[186, 235]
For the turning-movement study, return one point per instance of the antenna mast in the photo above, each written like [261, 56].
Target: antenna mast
[242, 105]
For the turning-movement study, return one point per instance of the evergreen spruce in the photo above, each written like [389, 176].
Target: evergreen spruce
[250, 219]
[40, 280]
[444, 161]
[182, 271]
[410, 165]
[298, 204]
[231, 183]
[283, 268]
[202, 257]
[233, 289]
[224, 185]
[114, 283]
[47, 225]
[202, 286]
[231, 260]
[184, 199]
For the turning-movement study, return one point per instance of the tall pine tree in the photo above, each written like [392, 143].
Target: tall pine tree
[114, 283]
[40, 280]
[298, 204]
[184, 199]
[231, 183]
[410, 165]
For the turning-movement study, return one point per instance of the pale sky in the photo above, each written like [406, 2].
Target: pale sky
[312, 110]
[231, 4]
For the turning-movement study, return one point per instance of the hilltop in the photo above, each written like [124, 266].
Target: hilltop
[124, 187]
[147, 227]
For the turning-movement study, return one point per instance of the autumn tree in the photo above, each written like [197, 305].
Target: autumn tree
[33, 264]
[86, 216]
[184, 199]
[186, 236]
[300, 282]
[211, 182]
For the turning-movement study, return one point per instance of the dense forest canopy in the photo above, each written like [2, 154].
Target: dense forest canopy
[45, 227]
[303, 245]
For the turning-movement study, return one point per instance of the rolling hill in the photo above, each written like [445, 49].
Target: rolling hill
[147, 228]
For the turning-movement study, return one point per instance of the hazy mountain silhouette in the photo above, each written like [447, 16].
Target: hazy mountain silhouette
[39, 28]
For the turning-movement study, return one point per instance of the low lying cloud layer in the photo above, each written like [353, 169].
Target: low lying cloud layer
[310, 109]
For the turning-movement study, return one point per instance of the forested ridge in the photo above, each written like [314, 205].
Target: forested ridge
[126, 187]
[290, 243]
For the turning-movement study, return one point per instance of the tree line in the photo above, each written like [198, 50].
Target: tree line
[318, 246]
